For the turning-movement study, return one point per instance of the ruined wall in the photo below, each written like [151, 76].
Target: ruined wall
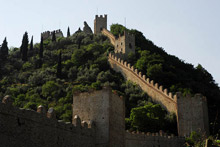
[48, 34]
[106, 110]
[192, 114]
[27, 128]
[100, 23]
[152, 139]
[156, 92]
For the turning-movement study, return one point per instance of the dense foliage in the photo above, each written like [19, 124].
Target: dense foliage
[54, 69]
[175, 74]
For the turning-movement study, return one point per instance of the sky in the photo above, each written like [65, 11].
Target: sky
[188, 29]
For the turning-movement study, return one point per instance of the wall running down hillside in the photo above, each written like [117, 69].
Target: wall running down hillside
[109, 35]
[156, 92]
[191, 112]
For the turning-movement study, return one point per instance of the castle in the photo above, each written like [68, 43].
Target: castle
[98, 116]
[48, 34]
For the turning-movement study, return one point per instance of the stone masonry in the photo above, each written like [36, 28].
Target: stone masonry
[191, 112]
[48, 34]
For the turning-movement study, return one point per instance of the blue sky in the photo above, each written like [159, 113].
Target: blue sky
[188, 29]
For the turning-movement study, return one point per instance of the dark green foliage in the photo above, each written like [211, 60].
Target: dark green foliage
[4, 49]
[54, 36]
[117, 29]
[31, 44]
[24, 47]
[59, 66]
[68, 32]
[84, 66]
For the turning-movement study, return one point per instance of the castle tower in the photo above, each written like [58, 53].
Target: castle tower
[125, 44]
[100, 23]
[107, 111]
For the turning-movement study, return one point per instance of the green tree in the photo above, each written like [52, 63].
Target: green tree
[68, 32]
[148, 118]
[117, 29]
[24, 47]
[59, 66]
[54, 36]
[4, 49]
[31, 44]
[41, 48]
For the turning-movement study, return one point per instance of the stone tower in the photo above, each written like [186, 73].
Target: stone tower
[125, 44]
[107, 111]
[100, 23]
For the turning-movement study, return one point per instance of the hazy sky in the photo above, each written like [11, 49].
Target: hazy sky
[188, 29]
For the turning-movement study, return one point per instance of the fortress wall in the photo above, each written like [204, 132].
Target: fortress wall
[106, 110]
[156, 92]
[117, 120]
[152, 139]
[109, 35]
[192, 114]
[27, 128]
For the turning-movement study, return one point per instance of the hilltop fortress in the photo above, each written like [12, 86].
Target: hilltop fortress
[99, 116]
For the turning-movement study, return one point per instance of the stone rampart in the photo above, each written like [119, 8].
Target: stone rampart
[48, 34]
[156, 92]
[27, 128]
[107, 110]
[109, 35]
[192, 114]
[136, 139]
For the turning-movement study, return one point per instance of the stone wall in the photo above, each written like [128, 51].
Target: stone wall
[27, 128]
[107, 111]
[48, 34]
[156, 92]
[109, 35]
[100, 23]
[125, 44]
[192, 114]
[152, 140]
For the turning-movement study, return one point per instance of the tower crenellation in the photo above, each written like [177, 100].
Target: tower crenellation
[100, 23]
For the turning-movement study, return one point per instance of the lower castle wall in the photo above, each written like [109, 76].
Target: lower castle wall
[107, 110]
[192, 115]
[152, 140]
[27, 128]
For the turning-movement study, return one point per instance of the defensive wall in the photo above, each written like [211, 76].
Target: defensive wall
[107, 110]
[48, 34]
[28, 128]
[109, 35]
[195, 118]
[137, 139]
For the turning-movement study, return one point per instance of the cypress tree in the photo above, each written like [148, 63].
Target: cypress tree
[31, 44]
[4, 49]
[41, 48]
[24, 47]
[68, 32]
[59, 66]
[54, 36]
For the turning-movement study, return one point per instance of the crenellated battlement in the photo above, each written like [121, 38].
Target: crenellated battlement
[48, 34]
[190, 108]
[43, 126]
[156, 139]
[147, 81]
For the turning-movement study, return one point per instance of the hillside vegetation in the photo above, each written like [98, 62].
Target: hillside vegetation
[48, 73]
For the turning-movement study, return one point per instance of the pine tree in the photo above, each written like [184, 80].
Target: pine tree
[4, 49]
[54, 36]
[24, 47]
[31, 44]
[41, 48]
[68, 32]
[59, 66]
